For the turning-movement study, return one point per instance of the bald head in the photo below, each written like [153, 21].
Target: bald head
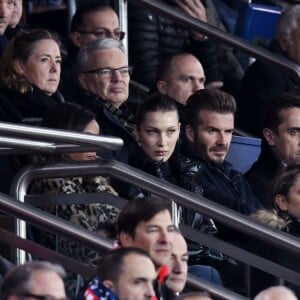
[276, 293]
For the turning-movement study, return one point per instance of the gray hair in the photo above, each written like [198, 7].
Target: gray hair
[288, 21]
[84, 55]
[203, 294]
[18, 280]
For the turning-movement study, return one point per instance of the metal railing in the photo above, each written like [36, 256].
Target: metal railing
[49, 222]
[225, 37]
[24, 138]
[197, 203]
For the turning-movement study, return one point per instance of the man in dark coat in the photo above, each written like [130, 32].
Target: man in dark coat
[280, 146]
[209, 128]
[263, 82]
[104, 77]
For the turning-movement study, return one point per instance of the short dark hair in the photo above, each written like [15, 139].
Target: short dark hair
[154, 103]
[77, 21]
[272, 115]
[141, 210]
[111, 264]
[211, 100]
[165, 65]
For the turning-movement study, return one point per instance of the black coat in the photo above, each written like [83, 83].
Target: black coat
[29, 107]
[261, 83]
[219, 183]
[262, 173]
[152, 37]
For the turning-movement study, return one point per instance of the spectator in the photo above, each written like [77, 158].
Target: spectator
[93, 216]
[104, 77]
[15, 23]
[35, 280]
[284, 216]
[124, 273]
[276, 293]
[30, 74]
[151, 229]
[6, 10]
[91, 21]
[210, 124]
[263, 82]
[157, 135]
[179, 76]
[280, 144]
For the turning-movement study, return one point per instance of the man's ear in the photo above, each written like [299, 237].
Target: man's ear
[76, 38]
[126, 239]
[281, 202]
[189, 132]
[109, 284]
[269, 136]
[161, 87]
[82, 81]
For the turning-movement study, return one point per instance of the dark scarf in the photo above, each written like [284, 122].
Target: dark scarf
[123, 114]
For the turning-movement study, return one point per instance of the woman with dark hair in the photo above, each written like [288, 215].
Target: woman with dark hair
[285, 214]
[30, 74]
[157, 130]
[94, 217]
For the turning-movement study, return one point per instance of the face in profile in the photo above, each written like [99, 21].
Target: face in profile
[158, 134]
[186, 77]
[154, 236]
[178, 265]
[43, 66]
[16, 13]
[213, 135]
[92, 128]
[291, 202]
[6, 9]
[286, 141]
[136, 282]
[113, 87]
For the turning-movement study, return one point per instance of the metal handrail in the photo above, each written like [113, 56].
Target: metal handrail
[47, 221]
[154, 185]
[225, 37]
[16, 131]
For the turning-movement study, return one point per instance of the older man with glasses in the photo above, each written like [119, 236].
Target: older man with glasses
[91, 21]
[34, 280]
[104, 77]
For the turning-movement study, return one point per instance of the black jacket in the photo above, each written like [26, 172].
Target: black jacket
[261, 83]
[262, 173]
[29, 107]
[219, 183]
[152, 37]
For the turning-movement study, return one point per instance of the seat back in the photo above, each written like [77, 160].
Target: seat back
[257, 22]
[243, 152]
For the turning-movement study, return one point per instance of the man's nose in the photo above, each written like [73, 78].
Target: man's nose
[116, 75]
[176, 266]
[221, 138]
[149, 293]
[197, 85]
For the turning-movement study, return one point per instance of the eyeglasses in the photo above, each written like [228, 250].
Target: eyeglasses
[104, 33]
[108, 72]
[41, 297]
